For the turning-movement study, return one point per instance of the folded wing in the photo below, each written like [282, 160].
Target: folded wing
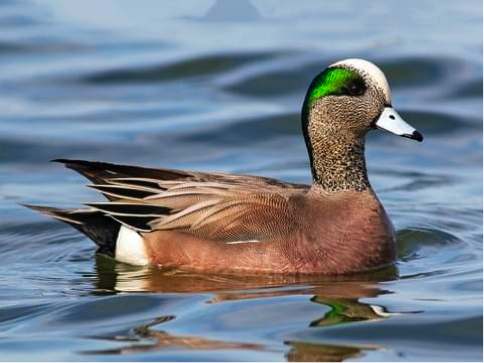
[219, 207]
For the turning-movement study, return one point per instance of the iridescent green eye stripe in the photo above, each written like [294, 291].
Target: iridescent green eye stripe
[331, 82]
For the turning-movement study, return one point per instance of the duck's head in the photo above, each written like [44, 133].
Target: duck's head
[350, 98]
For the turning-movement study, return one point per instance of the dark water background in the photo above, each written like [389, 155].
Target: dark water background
[218, 85]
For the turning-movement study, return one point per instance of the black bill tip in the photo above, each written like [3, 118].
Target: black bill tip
[415, 136]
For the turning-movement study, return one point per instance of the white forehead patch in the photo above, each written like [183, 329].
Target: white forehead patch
[371, 71]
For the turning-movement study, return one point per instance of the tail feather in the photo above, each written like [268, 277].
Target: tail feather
[100, 172]
[103, 230]
[66, 215]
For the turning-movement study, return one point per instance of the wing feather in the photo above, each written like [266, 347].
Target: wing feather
[218, 207]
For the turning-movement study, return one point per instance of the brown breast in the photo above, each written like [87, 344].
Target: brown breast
[345, 232]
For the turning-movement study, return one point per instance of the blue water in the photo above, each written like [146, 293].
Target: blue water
[217, 86]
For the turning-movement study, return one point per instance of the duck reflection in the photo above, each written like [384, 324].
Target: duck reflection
[340, 294]
[147, 339]
[113, 277]
[313, 352]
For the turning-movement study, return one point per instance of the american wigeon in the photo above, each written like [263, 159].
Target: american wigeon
[218, 222]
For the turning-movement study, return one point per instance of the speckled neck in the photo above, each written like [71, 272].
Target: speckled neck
[337, 159]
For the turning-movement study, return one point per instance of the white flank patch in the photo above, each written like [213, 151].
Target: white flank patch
[130, 248]
[238, 242]
[371, 70]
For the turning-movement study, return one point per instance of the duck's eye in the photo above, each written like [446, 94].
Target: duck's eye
[355, 89]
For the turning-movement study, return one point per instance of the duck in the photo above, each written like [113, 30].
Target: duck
[244, 224]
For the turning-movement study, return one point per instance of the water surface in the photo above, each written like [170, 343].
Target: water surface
[207, 86]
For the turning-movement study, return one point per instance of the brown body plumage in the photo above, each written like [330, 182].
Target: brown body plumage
[220, 222]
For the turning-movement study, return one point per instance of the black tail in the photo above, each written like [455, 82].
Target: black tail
[94, 224]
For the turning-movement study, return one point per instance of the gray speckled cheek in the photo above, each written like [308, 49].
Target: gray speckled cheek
[377, 102]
